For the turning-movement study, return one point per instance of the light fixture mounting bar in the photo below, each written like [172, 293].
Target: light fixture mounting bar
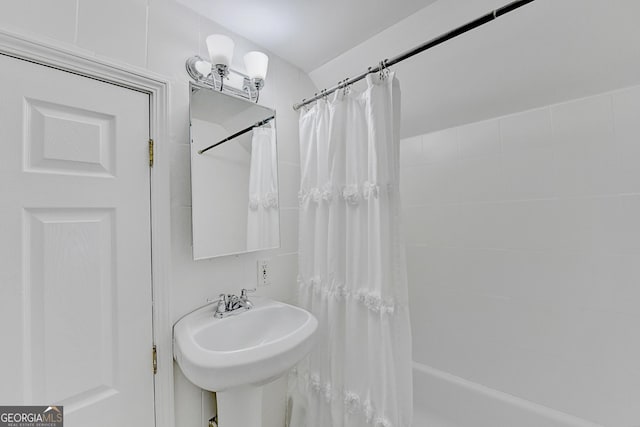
[200, 71]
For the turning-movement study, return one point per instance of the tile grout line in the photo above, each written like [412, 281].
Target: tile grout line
[146, 37]
[77, 23]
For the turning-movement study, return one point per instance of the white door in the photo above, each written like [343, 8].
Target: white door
[75, 253]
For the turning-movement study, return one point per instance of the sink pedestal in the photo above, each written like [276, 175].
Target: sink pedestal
[240, 407]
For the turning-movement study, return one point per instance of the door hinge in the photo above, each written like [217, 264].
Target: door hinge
[150, 153]
[155, 359]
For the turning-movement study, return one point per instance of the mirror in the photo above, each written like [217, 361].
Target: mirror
[234, 184]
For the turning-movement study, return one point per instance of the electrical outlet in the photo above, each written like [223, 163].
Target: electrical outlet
[264, 273]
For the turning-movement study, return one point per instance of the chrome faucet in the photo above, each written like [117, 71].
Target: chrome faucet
[229, 305]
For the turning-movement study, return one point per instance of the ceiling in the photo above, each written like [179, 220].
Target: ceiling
[306, 33]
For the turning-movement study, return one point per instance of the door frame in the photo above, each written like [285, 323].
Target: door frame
[157, 87]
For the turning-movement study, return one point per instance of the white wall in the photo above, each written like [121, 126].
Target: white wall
[159, 35]
[523, 238]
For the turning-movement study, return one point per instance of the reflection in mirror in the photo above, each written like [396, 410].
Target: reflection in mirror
[234, 180]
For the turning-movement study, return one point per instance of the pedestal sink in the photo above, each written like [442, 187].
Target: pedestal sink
[236, 355]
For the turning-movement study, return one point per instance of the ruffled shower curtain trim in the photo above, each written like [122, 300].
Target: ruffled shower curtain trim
[352, 401]
[337, 291]
[352, 193]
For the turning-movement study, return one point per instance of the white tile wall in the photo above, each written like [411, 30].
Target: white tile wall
[53, 20]
[440, 146]
[411, 150]
[479, 139]
[160, 35]
[173, 36]
[523, 244]
[626, 108]
[115, 29]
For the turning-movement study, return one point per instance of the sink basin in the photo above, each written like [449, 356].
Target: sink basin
[248, 349]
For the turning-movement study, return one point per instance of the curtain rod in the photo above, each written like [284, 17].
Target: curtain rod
[418, 49]
[237, 134]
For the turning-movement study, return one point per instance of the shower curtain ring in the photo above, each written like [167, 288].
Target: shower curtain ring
[346, 87]
[384, 69]
[381, 72]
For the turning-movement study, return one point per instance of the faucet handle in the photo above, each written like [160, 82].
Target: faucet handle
[212, 300]
[222, 303]
[244, 292]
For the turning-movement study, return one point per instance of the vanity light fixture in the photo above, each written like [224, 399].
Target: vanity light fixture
[220, 49]
[217, 72]
[256, 64]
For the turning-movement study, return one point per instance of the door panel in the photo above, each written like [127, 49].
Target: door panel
[75, 254]
[89, 153]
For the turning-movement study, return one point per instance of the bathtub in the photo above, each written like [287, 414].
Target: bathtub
[444, 400]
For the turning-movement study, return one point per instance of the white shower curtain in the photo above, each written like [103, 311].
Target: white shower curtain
[263, 230]
[351, 264]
